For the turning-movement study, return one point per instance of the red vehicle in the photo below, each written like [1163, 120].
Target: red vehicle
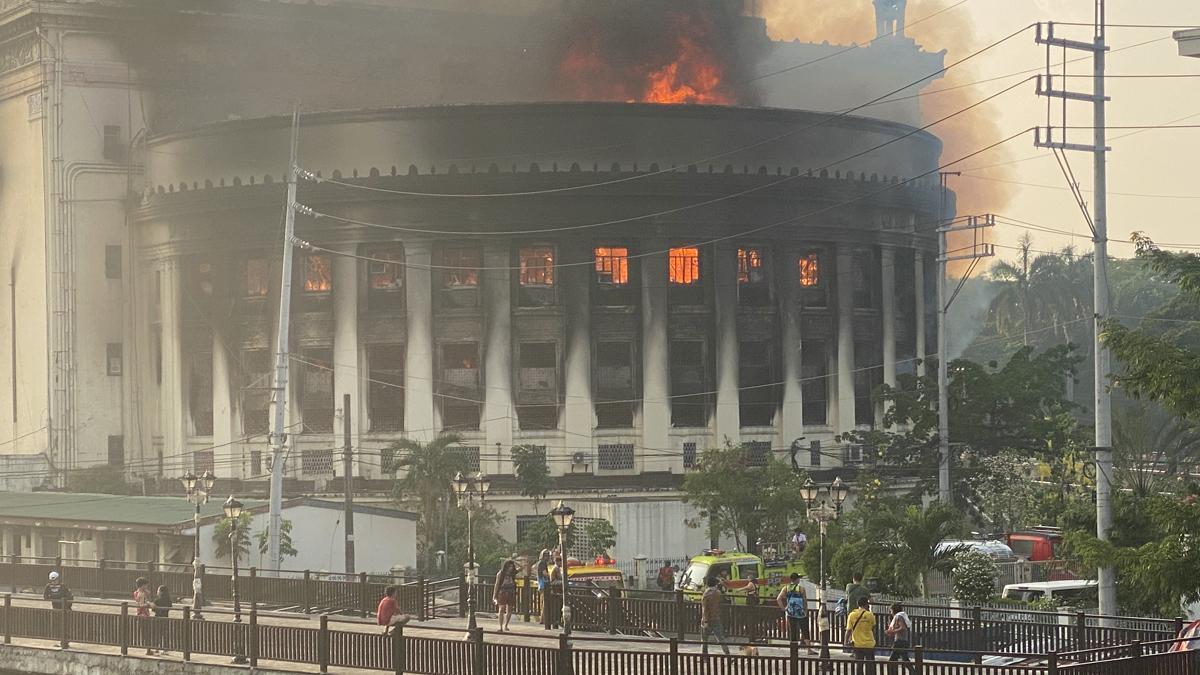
[1037, 544]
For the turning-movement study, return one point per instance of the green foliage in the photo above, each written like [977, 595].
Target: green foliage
[221, 533]
[1000, 483]
[532, 471]
[975, 575]
[601, 536]
[491, 549]
[746, 502]
[428, 470]
[286, 549]
[105, 480]
[1152, 447]
[543, 533]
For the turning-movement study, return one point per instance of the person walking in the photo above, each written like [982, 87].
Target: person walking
[141, 600]
[860, 631]
[899, 628]
[504, 594]
[666, 577]
[162, 611]
[855, 590]
[794, 602]
[60, 598]
[542, 570]
[752, 613]
[711, 624]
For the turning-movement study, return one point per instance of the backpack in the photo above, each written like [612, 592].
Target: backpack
[796, 602]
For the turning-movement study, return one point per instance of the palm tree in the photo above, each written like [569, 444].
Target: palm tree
[221, 536]
[1010, 310]
[1153, 446]
[428, 469]
[911, 539]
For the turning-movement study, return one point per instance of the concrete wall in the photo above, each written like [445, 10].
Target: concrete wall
[34, 661]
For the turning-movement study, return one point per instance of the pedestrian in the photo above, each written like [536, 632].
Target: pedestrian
[666, 577]
[900, 630]
[542, 570]
[799, 542]
[198, 600]
[385, 613]
[60, 598]
[504, 594]
[794, 602]
[855, 590]
[710, 616]
[860, 629]
[162, 611]
[141, 599]
[752, 613]
[556, 581]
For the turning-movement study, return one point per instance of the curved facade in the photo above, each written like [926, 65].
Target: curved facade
[624, 284]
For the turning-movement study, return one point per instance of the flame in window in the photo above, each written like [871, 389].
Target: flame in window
[684, 266]
[537, 266]
[810, 270]
[383, 275]
[256, 277]
[750, 266]
[612, 265]
[462, 267]
[318, 275]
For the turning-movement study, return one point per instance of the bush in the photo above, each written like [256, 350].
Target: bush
[975, 577]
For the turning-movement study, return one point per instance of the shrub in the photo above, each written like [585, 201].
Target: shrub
[975, 577]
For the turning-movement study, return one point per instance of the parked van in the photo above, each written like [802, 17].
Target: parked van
[1036, 544]
[1073, 592]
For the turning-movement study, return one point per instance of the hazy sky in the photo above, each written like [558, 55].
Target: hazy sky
[1163, 164]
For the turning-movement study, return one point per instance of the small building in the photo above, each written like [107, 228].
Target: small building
[1189, 41]
[118, 528]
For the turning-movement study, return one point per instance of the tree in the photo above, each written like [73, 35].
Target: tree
[428, 470]
[221, 536]
[286, 549]
[491, 549]
[1152, 447]
[532, 471]
[743, 497]
[911, 538]
[975, 576]
[599, 534]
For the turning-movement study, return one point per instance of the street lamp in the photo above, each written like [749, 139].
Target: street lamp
[824, 506]
[563, 515]
[468, 490]
[233, 511]
[196, 490]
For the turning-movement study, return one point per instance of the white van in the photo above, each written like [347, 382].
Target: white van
[1067, 592]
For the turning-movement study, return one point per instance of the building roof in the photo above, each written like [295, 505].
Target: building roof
[87, 508]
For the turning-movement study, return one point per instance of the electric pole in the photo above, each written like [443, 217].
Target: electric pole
[347, 467]
[1099, 226]
[282, 358]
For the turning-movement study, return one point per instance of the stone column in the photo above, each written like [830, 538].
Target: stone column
[656, 382]
[224, 355]
[420, 419]
[131, 549]
[844, 290]
[579, 415]
[172, 408]
[888, 303]
[787, 281]
[919, 309]
[726, 423]
[346, 352]
[499, 414]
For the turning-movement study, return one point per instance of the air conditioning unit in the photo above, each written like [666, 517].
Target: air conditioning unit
[581, 462]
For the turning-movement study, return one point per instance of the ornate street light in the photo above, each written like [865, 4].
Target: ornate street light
[563, 516]
[824, 506]
[197, 490]
[233, 511]
[469, 491]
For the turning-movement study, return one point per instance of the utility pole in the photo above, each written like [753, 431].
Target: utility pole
[348, 469]
[977, 250]
[282, 358]
[1099, 226]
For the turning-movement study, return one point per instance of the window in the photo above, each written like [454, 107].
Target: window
[460, 277]
[537, 417]
[318, 274]
[864, 273]
[387, 460]
[256, 468]
[318, 462]
[112, 262]
[753, 287]
[385, 278]
[156, 352]
[116, 451]
[114, 149]
[814, 453]
[256, 391]
[200, 281]
[810, 270]
[814, 292]
[200, 393]
[539, 366]
[114, 363]
[618, 415]
[690, 461]
[868, 374]
[202, 460]
[684, 266]
[814, 382]
[316, 395]
[386, 363]
[459, 415]
[256, 277]
[615, 457]
[689, 406]
[467, 455]
[612, 265]
[758, 453]
[536, 276]
[460, 366]
[614, 385]
[758, 384]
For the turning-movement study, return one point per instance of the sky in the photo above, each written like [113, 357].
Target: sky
[1152, 175]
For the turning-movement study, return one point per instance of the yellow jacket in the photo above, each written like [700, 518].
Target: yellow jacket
[861, 624]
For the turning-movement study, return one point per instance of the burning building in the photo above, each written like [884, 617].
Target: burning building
[651, 267]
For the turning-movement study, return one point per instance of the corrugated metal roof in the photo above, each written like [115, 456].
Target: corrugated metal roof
[97, 508]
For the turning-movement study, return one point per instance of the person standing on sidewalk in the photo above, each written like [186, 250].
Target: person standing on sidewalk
[900, 630]
[794, 602]
[542, 569]
[710, 617]
[860, 631]
[162, 611]
[141, 599]
[60, 598]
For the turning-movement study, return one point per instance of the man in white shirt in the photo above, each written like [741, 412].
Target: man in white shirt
[799, 542]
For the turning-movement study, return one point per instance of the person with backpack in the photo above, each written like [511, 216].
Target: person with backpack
[899, 628]
[794, 602]
[860, 633]
[59, 595]
[855, 590]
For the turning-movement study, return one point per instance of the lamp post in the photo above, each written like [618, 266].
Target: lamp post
[197, 490]
[824, 506]
[469, 490]
[563, 515]
[233, 511]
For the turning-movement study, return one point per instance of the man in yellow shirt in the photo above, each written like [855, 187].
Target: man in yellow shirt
[860, 629]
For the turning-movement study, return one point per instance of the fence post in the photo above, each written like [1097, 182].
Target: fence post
[123, 627]
[462, 595]
[364, 606]
[527, 597]
[103, 566]
[252, 639]
[323, 644]
[421, 613]
[62, 628]
[564, 655]
[307, 591]
[1080, 631]
[674, 659]
[8, 619]
[679, 621]
[1052, 663]
[613, 604]
[399, 651]
[979, 644]
[187, 633]
[1178, 627]
[253, 588]
[477, 652]
[919, 660]
[1135, 649]
[794, 658]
